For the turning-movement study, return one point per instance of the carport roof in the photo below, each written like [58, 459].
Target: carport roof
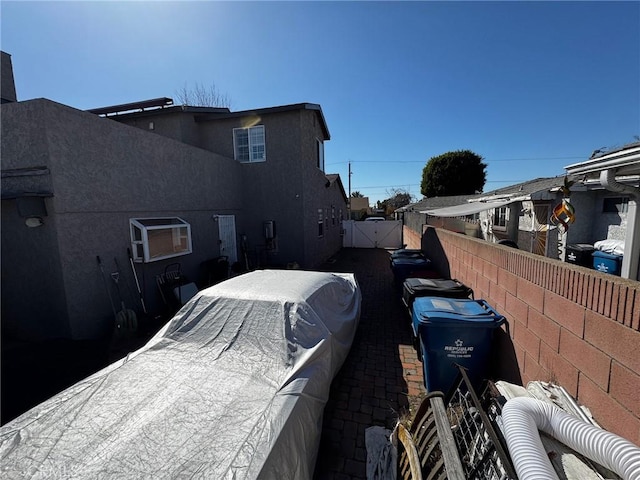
[468, 208]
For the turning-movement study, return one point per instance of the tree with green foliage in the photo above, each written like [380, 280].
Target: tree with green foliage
[356, 194]
[461, 172]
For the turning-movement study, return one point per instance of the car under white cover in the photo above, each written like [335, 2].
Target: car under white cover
[234, 386]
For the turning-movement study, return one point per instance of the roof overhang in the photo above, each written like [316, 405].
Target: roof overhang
[625, 161]
[335, 178]
[135, 106]
[270, 110]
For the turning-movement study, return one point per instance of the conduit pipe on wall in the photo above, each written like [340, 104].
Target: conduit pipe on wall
[523, 416]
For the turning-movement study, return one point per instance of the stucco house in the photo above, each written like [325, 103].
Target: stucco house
[614, 177]
[521, 215]
[176, 185]
[517, 213]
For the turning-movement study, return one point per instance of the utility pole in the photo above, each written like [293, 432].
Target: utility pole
[349, 199]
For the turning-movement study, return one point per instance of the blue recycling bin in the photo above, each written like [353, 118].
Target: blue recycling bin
[403, 267]
[406, 253]
[453, 331]
[607, 262]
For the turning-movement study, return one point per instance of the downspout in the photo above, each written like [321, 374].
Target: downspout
[513, 225]
[631, 258]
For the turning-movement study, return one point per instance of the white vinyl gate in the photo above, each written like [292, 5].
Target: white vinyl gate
[380, 234]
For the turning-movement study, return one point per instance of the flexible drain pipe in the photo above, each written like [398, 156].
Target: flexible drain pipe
[608, 181]
[523, 416]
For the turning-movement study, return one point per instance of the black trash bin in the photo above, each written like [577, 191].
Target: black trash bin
[580, 254]
[454, 331]
[433, 287]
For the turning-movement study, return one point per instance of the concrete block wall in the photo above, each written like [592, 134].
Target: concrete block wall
[411, 238]
[571, 325]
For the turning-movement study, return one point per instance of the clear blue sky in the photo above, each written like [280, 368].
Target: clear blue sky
[532, 87]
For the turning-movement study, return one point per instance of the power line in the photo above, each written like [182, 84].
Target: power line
[528, 159]
[507, 181]
[409, 185]
[389, 186]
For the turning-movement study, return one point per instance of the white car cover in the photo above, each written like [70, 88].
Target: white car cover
[233, 387]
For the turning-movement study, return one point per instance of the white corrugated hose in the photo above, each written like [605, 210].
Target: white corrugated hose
[523, 416]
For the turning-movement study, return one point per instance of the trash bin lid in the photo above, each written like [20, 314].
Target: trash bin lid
[410, 261]
[583, 247]
[453, 310]
[435, 283]
[407, 252]
[610, 256]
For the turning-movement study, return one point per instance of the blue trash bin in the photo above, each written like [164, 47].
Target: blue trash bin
[406, 253]
[402, 267]
[607, 262]
[450, 331]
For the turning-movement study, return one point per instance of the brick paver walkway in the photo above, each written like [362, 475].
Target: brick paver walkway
[381, 379]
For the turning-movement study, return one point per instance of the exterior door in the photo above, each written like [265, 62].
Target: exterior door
[227, 236]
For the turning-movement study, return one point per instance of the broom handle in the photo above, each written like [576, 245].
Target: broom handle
[135, 276]
[106, 285]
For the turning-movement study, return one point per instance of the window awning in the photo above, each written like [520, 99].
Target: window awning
[467, 208]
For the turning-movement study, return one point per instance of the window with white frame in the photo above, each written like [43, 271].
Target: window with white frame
[154, 239]
[320, 223]
[320, 154]
[333, 214]
[249, 144]
[500, 217]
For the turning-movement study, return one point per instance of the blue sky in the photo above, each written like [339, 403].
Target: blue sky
[530, 86]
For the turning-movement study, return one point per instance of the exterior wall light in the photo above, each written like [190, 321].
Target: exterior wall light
[33, 222]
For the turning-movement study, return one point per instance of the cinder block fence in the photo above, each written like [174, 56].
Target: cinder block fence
[571, 325]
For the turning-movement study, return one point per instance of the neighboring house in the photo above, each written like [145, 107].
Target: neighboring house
[186, 186]
[522, 213]
[614, 176]
[414, 219]
[359, 208]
